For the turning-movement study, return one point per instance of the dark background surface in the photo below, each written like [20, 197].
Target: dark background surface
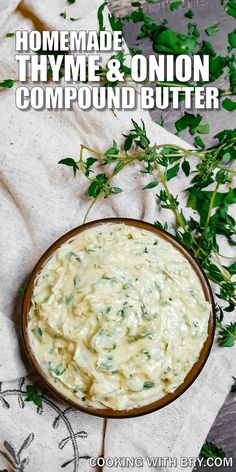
[206, 13]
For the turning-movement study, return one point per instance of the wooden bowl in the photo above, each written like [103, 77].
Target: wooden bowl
[193, 373]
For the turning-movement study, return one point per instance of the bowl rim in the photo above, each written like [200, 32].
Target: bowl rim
[194, 371]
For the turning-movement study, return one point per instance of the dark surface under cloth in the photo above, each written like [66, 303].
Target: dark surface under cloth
[206, 13]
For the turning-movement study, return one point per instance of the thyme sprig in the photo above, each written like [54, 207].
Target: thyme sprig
[210, 217]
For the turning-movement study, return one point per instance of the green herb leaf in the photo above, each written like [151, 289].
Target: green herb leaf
[193, 30]
[113, 151]
[229, 104]
[71, 2]
[147, 385]
[116, 24]
[32, 395]
[230, 8]
[186, 168]
[210, 450]
[203, 128]
[21, 290]
[216, 62]
[227, 335]
[8, 83]
[115, 190]
[136, 16]
[232, 268]
[97, 185]
[58, 370]
[89, 162]
[9, 35]
[199, 142]
[175, 5]
[68, 161]
[232, 39]
[187, 240]
[128, 142]
[192, 122]
[69, 298]
[189, 14]
[40, 332]
[63, 14]
[212, 29]
[152, 184]
[100, 16]
[172, 172]
[171, 42]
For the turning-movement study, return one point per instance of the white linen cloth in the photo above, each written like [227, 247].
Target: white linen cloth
[39, 202]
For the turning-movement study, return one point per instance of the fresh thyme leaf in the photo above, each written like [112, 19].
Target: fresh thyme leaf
[9, 35]
[232, 39]
[68, 161]
[89, 162]
[63, 14]
[161, 225]
[227, 335]
[71, 1]
[134, 51]
[210, 450]
[68, 299]
[128, 142]
[199, 142]
[203, 128]
[232, 268]
[100, 16]
[58, 370]
[232, 80]
[186, 168]
[172, 172]
[39, 331]
[97, 185]
[116, 24]
[193, 30]
[216, 62]
[8, 83]
[192, 122]
[148, 385]
[187, 240]
[152, 184]
[212, 29]
[172, 42]
[175, 5]
[32, 395]
[113, 151]
[136, 16]
[230, 8]
[189, 14]
[114, 190]
[229, 104]
[21, 290]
